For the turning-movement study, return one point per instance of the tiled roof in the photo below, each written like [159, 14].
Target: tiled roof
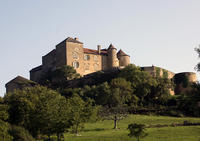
[121, 53]
[19, 79]
[92, 51]
[111, 47]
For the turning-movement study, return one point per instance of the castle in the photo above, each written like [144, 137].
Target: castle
[86, 61]
[71, 52]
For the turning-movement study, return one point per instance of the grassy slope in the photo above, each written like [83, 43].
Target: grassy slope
[102, 131]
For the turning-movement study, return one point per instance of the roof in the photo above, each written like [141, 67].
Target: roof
[111, 47]
[121, 53]
[69, 39]
[37, 68]
[92, 51]
[19, 79]
[53, 52]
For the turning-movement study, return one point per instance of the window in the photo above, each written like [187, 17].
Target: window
[75, 64]
[75, 55]
[96, 58]
[86, 57]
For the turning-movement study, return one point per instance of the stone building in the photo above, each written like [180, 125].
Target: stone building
[183, 82]
[71, 52]
[18, 82]
[153, 70]
[178, 78]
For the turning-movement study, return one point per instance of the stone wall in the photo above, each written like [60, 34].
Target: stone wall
[85, 61]
[75, 56]
[49, 61]
[61, 58]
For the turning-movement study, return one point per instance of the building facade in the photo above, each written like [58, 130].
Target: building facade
[71, 52]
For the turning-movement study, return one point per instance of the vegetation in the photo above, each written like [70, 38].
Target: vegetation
[39, 110]
[137, 131]
[52, 111]
[80, 112]
[102, 130]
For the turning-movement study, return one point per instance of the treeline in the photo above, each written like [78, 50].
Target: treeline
[40, 112]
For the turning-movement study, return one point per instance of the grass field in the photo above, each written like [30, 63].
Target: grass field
[102, 131]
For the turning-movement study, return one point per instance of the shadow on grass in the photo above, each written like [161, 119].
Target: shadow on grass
[96, 129]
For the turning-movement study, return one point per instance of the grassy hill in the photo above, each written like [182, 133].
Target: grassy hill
[102, 130]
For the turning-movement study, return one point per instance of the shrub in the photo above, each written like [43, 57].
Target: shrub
[4, 131]
[20, 134]
[137, 131]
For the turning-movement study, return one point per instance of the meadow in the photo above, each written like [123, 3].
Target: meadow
[102, 130]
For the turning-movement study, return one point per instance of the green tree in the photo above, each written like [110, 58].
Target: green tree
[4, 125]
[38, 109]
[80, 112]
[137, 131]
[115, 100]
[198, 52]
[160, 92]
[99, 93]
[141, 81]
[59, 77]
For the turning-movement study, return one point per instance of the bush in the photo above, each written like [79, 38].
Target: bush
[52, 138]
[175, 113]
[4, 131]
[137, 130]
[20, 134]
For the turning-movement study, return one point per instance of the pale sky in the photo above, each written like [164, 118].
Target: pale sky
[159, 32]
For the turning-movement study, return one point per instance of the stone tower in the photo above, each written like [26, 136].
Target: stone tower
[123, 58]
[112, 57]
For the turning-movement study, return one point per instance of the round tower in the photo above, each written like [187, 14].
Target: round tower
[123, 58]
[112, 57]
[189, 76]
[183, 82]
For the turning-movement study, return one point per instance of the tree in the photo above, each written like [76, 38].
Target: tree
[141, 81]
[115, 114]
[116, 98]
[99, 93]
[59, 77]
[161, 91]
[198, 52]
[137, 131]
[38, 109]
[4, 125]
[80, 112]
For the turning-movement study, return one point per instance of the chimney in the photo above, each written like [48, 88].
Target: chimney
[99, 48]
[76, 38]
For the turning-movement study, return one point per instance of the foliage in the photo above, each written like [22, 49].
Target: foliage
[102, 130]
[4, 125]
[99, 93]
[189, 103]
[59, 77]
[20, 134]
[137, 130]
[114, 113]
[198, 52]
[38, 109]
[160, 93]
[64, 73]
[141, 81]
[80, 112]
[181, 79]
[118, 94]
[157, 72]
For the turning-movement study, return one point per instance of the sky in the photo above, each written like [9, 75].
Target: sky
[162, 33]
